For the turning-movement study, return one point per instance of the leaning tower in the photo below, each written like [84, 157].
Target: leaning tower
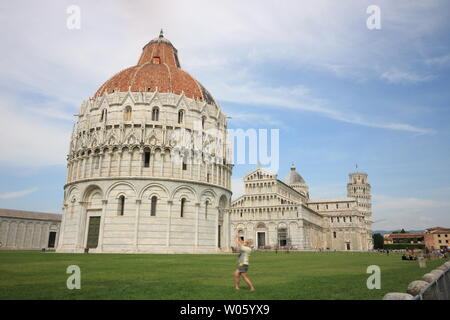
[358, 188]
[148, 167]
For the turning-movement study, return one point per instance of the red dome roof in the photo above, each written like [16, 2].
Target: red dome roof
[158, 69]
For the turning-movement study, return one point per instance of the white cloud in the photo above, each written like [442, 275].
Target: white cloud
[17, 194]
[402, 77]
[64, 66]
[439, 61]
[298, 98]
[29, 140]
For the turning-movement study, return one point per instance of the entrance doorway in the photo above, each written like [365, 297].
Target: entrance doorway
[348, 245]
[51, 239]
[261, 239]
[93, 233]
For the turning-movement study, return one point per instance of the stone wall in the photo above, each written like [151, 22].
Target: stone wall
[26, 234]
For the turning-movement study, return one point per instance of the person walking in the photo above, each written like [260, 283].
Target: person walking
[245, 248]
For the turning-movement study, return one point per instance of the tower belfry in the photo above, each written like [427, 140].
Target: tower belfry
[358, 187]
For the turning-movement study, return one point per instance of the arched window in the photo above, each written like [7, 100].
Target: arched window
[153, 207]
[155, 114]
[183, 201]
[103, 115]
[121, 208]
[185, 161]
[127, 114]
[146, 158]
[180, 116]
[206, 209]
[203, 122]
[334, 234]
[97, 159]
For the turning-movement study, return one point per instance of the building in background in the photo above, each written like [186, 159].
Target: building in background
[437, 238]
[404, 238]
[278, 214]
[135, 182]
[28, 230]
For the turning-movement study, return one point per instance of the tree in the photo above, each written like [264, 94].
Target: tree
[378, 241]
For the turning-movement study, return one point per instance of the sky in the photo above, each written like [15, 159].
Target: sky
[339, 93]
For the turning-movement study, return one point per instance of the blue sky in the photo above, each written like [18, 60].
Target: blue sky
[339, 93]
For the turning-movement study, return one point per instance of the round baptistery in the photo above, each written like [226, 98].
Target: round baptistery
[148, 168]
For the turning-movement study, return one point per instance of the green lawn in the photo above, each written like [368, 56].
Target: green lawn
[297, 275]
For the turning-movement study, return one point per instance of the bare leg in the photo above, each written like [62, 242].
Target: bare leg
[237, 279]
[247, 281]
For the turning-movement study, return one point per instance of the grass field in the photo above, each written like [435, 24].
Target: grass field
[297, 275]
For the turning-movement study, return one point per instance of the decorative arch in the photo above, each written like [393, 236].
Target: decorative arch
[152, 192]
[155, 113]
[111, 187]
[90, 190]
[183, 190]
[209, 194]
[127, 112]
[224, 202]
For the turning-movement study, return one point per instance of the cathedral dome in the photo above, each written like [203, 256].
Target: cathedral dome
[294, 177]
[158, 69]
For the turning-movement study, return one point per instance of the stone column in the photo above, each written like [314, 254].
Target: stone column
[152, 159]
[216, 228]
[191, 166]
[169, 218]
[85, 166]
[102, 226]
[32, 235]
[226, 229]
[81, 226]
[119, 162]
[110, 153]
[141, 166]
[130, 154]
[100, 163]
[78, 168]
[162, 155]
[181, 167]
[217, 174]
[38, 240]
[136, 225]
[91, 166]
[197, 215]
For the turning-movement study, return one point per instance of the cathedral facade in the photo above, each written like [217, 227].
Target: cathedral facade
[281, 214]
[144, 171]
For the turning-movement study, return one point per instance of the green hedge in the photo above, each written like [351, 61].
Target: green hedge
[398, 246]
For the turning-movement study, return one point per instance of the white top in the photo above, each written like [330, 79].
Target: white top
[244, 254]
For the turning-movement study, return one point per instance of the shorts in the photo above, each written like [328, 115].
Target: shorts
[243, 268]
